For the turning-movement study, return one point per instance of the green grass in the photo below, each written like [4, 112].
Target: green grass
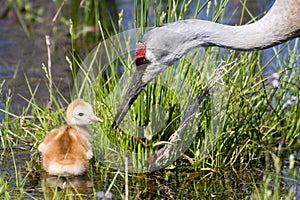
[250, 137]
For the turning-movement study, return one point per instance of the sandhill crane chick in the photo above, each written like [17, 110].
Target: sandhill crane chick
[66, 150]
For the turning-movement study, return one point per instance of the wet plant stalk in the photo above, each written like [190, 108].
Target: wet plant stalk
[48, 43]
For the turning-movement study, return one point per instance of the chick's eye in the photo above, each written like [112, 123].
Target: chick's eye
[80, 114]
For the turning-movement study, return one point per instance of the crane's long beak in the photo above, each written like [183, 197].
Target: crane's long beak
[136, 86]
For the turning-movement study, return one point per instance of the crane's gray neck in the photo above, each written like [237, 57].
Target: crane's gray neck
[168, 43]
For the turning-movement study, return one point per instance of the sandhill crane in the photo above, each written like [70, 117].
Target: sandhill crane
[162, 46]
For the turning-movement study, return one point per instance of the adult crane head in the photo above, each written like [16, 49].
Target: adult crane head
[151, 59]
[162, 46]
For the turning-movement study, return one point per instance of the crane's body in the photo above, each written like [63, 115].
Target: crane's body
[162, 46]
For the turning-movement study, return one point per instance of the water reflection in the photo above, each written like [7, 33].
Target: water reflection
[54, 187]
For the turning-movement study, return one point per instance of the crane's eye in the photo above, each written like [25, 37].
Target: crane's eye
[80, 114]
[141, 61]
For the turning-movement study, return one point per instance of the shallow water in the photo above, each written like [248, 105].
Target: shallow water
[181, 183]
[22, 56]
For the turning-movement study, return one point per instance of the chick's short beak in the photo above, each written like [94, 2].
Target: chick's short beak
[94, 118]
